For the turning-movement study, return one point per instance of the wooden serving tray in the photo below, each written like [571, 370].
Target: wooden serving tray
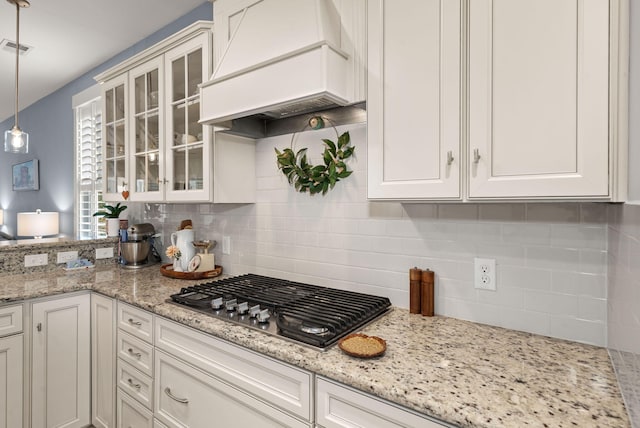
[380, 346]
[167, 270]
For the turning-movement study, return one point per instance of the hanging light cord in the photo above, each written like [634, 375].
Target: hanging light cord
[17, 57]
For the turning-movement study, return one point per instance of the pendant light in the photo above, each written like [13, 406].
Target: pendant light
[15, 139]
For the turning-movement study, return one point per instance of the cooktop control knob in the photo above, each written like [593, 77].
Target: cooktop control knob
[243, 308]
[254, 311]
[231, 305]
[263, 316]
[216, 303]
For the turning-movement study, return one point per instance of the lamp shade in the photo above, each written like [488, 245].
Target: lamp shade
[38, 224]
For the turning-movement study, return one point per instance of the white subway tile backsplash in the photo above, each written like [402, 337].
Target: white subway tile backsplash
[551, 257]
[529, 234]
[551, 303]
[580, 284]
[524, 277]
[592, 309]
[579, 237]
[553, 213]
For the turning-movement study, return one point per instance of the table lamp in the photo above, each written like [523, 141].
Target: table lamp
[38, 224]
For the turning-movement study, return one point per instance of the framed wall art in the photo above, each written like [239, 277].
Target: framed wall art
[25, 176]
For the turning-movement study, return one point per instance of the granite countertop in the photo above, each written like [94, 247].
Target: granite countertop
[463, 373]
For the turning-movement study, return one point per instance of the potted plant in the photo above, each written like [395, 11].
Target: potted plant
[112, 215]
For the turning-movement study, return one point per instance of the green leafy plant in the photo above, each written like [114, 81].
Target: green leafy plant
[110, 211]
[306, 177]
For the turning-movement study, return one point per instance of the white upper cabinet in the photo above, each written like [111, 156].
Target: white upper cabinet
[539, 98]
[413, 102]
[156, 148]
[533, 109]
[114, 108]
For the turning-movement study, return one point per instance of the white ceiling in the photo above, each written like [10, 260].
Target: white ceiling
[72, 37]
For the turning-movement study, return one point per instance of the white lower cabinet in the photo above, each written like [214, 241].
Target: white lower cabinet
[103, 361]
[11, 380]
[187, 397]
[131, 414]
[338, 406]
[61, 363]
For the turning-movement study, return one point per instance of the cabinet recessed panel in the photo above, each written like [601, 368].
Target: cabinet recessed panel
[413, 99]
[412, 90]
[534, 103]
[538, 98]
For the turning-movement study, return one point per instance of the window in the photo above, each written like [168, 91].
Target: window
[88, 120]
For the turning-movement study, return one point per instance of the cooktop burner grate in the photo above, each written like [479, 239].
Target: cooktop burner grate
[317, 316]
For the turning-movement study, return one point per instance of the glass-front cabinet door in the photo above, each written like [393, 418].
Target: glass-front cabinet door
[188, 143]
[114, 98]
[146, 133]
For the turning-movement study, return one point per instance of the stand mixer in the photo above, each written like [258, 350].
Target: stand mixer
[139, 250]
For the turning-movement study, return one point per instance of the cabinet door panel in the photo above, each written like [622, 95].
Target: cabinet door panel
[61, 374]
[103, 355]
[413, 99]
[131, 414]
[11, 382]
[538, 98]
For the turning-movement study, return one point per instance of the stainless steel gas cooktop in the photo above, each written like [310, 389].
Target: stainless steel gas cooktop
[308, 314]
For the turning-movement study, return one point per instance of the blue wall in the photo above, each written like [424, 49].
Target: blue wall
[49, 123]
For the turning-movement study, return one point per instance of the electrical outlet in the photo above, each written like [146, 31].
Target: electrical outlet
[66, 256]
[104, 253]
[226, 245]
[485, 274]
[36, 260]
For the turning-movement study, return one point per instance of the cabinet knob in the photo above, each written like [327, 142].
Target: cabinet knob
[173, 397]
[476, 155]
[450, 157]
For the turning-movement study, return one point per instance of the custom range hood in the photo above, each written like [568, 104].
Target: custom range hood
[277, 59]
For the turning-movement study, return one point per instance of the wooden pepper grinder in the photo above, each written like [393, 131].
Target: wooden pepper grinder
[427, 291]
[415, 295]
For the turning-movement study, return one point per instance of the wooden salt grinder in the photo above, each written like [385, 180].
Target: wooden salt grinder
[427, 291]
[415, 296]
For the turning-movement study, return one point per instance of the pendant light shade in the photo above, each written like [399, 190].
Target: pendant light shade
[15, 139]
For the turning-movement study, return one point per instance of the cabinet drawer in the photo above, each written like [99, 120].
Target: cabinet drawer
[341, 407]
[131, 414]
[158, 424]
[135, 352]
[136, 384]
[135, 321]
[271, 381]
[10, 320]
[187, 397]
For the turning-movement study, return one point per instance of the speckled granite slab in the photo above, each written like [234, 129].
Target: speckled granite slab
[12, 253]
[467, 374]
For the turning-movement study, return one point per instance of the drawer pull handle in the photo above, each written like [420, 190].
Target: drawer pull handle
[135, 354]
[134, 385]
[39, 327]
[173, 397]
[132, 322]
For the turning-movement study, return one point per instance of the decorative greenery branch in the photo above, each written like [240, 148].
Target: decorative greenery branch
[306, 177]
